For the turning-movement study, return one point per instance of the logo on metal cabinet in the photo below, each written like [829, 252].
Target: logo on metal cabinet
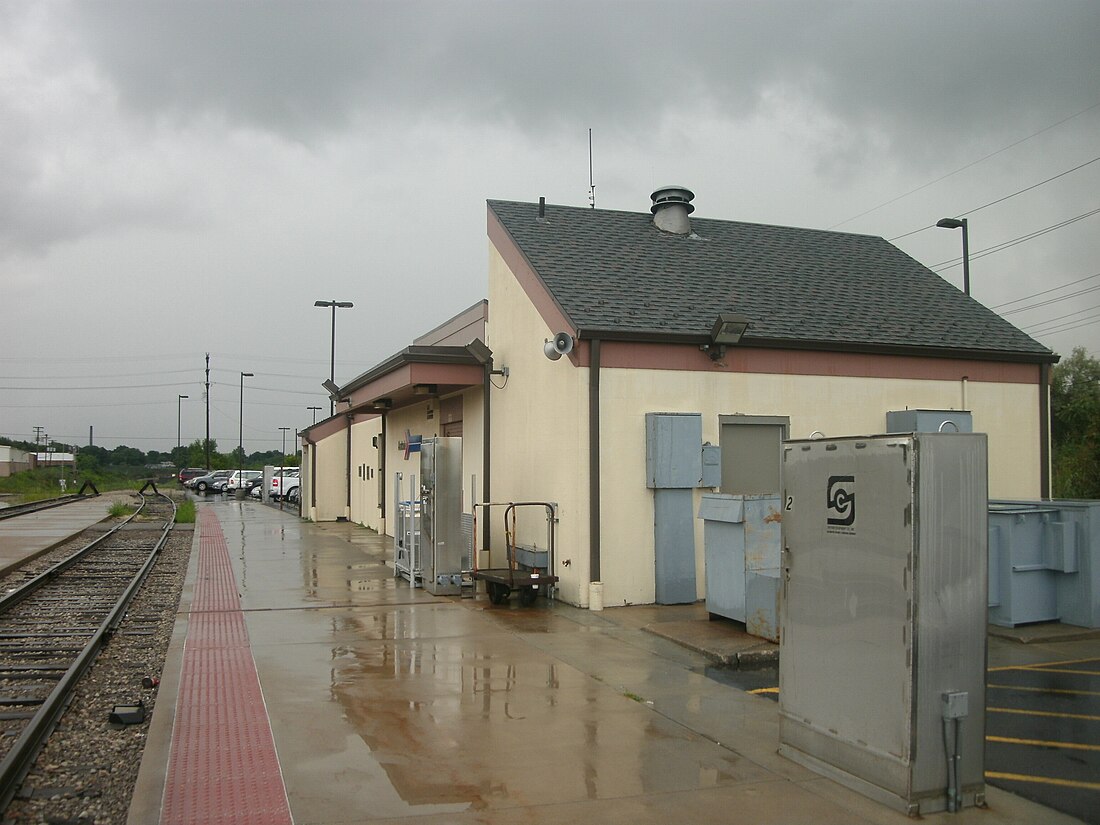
[840, 504]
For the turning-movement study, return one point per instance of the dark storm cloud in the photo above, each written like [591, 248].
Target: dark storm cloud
[304, 68]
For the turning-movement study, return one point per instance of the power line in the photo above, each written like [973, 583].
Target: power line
[1068, 327]
[989, 250]
[1045, 291]
[1000, 200]
[1059, 318]
[964, 168]
[1051, 301]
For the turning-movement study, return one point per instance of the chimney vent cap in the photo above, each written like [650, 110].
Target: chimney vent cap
[672, 195]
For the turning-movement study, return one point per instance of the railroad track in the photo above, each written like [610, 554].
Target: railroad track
[46, 504]
[52, 627]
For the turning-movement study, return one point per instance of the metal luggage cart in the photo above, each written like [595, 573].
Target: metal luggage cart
[528, 579]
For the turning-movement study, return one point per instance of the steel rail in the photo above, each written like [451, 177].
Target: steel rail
[17, 763]
[9, 600]
[37, 506]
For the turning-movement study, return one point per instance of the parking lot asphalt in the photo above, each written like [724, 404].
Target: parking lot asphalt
[1042, 714]
[1043, 723]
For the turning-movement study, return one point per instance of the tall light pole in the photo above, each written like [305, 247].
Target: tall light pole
[179, 418]
[285, 430]
[332, 360]
[960, 223]
[240, 440]
[314, 413]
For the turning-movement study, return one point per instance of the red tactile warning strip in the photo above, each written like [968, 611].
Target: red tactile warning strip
[223, 767]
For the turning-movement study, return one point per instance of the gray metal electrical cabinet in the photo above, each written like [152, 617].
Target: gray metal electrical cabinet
[673, 456]
[929, 421]
[441, 515]
[883, 625]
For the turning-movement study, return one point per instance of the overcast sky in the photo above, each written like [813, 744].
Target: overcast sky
[189, 177]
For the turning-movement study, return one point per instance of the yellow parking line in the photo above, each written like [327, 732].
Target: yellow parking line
[1045, 780]
[1042, 743]
[764, 690]
[1034, 665]
[1083, 716]
[1059, 691]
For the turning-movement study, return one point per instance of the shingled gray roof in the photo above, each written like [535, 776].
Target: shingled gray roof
[615, 274]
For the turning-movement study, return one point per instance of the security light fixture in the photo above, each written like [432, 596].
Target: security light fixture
[383, 403]
[960, 223]
[482, 353]
[425, 389]
[728, 329]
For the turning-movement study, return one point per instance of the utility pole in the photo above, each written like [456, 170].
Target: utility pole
[37, 437]
[206, 395]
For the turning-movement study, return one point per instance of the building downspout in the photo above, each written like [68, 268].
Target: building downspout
[313, 479]
[347, 502]
[382, 470]
[486, 454]
[1044, 431]
[594, 462]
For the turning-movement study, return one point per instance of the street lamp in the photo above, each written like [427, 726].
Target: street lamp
[332, 361]
[314, 413]
[960, 223]
[240, 441]
[179, 417]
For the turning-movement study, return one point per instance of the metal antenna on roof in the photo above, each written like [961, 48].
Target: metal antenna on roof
[591, 180]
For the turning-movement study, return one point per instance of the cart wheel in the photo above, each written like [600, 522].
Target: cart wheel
[527, 595]
[498, 593]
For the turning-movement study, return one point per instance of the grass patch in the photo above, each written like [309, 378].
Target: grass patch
[633, 696]
[185, 512]
[120, 509]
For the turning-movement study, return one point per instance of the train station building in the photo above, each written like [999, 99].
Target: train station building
[748, 334]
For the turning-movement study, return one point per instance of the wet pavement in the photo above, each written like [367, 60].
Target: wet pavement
[387, 703]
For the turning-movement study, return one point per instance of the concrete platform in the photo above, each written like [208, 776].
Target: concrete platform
[387, 704]
[25, 537]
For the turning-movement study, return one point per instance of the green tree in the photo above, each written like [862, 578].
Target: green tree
[1075, 426]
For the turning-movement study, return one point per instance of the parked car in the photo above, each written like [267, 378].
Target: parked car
[236, 477]
[278, 482]
[254, 486]
[208, 482]
[188, 473]
[292, 495]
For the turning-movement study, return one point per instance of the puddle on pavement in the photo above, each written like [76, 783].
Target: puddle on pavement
[760, 681]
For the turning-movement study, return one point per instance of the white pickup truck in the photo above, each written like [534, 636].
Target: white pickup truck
[281, 484]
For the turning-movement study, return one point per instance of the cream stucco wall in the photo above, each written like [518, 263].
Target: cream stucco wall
[366, 474]
[331, 479]
[539, 423]
[835, 406]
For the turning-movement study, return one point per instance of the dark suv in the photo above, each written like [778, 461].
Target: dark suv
[188, 473]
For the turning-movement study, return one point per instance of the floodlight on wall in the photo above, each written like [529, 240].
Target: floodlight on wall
[330, 387]
[425, 389]
[382, 403]
[728, 329]
[482, 353]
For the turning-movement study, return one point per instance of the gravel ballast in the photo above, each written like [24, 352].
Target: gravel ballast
[86, 772]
